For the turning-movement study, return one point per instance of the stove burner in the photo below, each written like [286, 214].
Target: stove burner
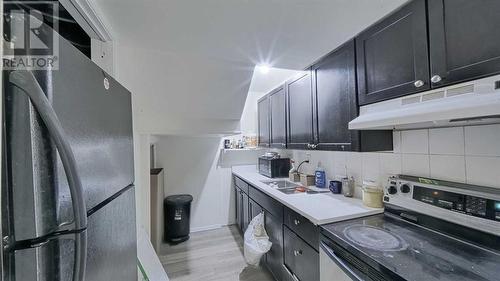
[374, 238]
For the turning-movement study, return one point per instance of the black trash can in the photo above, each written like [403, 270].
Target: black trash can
[177, 209]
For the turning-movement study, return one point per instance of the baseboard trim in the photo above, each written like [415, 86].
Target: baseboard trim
[205, 228]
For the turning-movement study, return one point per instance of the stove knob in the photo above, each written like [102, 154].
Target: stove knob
[405, 188]
[392, 190]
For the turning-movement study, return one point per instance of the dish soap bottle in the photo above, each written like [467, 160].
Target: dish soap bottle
[293, 174]
[320, 176]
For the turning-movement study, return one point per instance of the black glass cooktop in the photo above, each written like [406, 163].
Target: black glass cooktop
[412, 252]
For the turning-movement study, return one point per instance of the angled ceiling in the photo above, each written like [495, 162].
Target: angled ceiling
[188, 60]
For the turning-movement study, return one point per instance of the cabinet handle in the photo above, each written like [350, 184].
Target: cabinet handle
[418, 83]
[296, 222]
[436, 79]
[297, 253]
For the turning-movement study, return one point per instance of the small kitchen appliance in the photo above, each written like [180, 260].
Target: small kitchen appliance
[273, 166]
[430, 230]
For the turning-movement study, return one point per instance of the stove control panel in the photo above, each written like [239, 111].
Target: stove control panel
[470, 205]
[497, 210]
[429, 192]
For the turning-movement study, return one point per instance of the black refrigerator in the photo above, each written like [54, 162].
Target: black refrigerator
[67, 192]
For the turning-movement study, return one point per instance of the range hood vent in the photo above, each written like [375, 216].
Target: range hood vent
[472, 103]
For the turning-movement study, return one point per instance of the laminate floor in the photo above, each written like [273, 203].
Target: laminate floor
[215, 255]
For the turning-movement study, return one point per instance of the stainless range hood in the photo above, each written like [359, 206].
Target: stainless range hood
[472, 103]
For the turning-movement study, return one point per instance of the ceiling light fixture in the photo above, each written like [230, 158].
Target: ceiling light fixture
[264, 68]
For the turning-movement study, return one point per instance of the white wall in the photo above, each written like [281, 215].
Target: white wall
[462, 154]
[142, 181]
[195, 165]
[248, 121]
[102, 54]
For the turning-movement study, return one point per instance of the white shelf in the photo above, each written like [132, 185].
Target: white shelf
[243, 149]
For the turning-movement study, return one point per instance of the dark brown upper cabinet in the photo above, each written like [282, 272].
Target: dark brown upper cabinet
[300, 111]
[335, 105]
[277, 102]
[464, 41]
[263, 121]
[334, 95]
[392, 55]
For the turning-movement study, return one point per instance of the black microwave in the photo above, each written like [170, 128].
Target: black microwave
[274, 167]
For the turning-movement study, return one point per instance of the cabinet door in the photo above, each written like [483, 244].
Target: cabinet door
[274, 258]
[300, 116]
[254, 209]
[278, 118]
[304, 228]
[392, 55]
[263, 121]
[299, 257]
[334, 88]
[245, 213]
[464, 41]
[238, 208]
[238, 198]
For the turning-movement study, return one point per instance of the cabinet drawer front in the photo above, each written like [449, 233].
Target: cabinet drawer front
[303, 227]
[300, 258]
[241, 184]
[269, 204]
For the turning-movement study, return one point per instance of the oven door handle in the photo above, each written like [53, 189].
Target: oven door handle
[340, 263]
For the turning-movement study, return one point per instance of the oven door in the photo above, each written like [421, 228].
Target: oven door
[334, 268]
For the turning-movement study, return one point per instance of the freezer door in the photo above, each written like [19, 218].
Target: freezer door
[96, 113]
[112, 246]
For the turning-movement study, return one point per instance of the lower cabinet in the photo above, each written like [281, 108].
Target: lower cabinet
[254, 209]
[237, 207]
[241, 209]
[293, 255]
[274, 258]
[300, 259]
[245, 212]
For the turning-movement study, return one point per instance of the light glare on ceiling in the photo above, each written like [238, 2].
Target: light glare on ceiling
[263, 68]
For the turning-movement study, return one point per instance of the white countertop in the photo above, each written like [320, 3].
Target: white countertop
[321, 208]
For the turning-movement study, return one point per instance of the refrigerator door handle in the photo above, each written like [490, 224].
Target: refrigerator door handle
[26, 81]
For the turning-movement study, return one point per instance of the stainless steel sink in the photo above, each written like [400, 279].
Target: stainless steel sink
[281, 184]
[288, 187]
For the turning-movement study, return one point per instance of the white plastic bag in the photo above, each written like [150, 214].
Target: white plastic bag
[256, 240]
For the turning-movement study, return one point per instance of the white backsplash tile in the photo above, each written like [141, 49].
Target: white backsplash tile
[355, 166]
[415, 165]
[340, 164]
[444, 153]
[483, 170]
[396, 141]
[371, 167]
[482, 140]
[390, 164]
[447, 141]
[448, 167]
[415, 141]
